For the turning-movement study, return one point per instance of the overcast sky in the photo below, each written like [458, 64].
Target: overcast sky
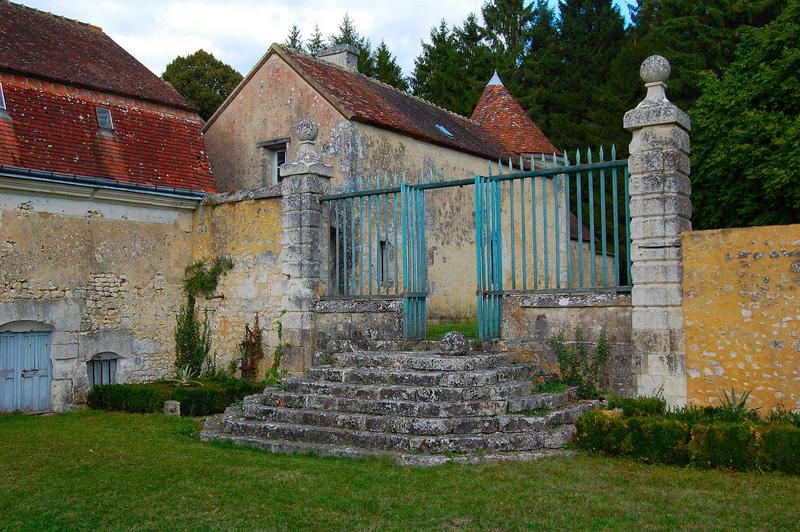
[239, 31]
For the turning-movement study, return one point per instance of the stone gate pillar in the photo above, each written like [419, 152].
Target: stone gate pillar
[660, 209]
[304, 245]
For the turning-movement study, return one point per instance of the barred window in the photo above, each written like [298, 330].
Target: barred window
[102, 369]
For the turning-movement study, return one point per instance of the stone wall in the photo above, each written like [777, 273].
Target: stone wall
[103, 275]
[742, 314]
[359, 322]
[247, 228]
[530, 321]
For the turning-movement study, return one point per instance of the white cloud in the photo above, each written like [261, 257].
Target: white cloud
[239, 31]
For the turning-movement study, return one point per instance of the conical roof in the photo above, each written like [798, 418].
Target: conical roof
[501, 115]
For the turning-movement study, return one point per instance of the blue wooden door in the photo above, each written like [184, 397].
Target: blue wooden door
[25, 372]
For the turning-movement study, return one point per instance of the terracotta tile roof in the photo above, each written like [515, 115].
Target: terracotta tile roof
[499, 113]
[372, 102]
[50, 47]
[54, 128]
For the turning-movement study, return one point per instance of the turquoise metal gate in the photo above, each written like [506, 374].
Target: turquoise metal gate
[488, 256]
[415, 266]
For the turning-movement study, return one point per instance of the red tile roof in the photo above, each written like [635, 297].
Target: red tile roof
[372, 102]
[47, 46]
[499, 113]
[54, 128]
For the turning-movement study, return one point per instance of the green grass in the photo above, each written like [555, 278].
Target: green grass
[91, 470]
[468, 328]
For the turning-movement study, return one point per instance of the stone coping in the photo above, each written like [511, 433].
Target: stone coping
[384, 304]
[272, 191]
[596, 299]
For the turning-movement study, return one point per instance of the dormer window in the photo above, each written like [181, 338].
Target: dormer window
[104, 118]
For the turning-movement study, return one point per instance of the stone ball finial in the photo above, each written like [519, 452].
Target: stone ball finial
[306, 130]
[655, 69]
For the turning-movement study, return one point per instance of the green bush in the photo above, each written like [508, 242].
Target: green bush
[651, 439]
[724, 445]
[779, 449]
[639, 406]
[210, 398]
[691, 436]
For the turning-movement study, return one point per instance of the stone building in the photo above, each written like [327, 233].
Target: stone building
[370, 130]
[102, 165]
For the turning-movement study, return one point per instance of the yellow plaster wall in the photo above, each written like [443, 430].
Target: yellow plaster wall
[249, 232]
[742, 314]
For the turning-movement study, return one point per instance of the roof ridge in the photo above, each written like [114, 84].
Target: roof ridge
[60, 17]
[379, 82]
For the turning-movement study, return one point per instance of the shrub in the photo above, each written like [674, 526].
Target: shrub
[725, 445]
[780, 448]
[210, 398]
[639, 406]
[652, 439]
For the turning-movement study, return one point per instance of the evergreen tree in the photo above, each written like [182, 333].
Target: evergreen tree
[437, 75]
[540, 65]
[590, 34]
[386, 68]
[746, 130]
[475, 59]
[294, 41]
[506, 30]
[202, 79]
[349, 35]
[316, 43]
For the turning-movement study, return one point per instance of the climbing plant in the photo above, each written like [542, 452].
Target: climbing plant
[192, 338]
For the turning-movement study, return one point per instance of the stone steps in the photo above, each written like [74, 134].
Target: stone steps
[500, 391]
[557, 437]
[212, 432]
[413, 360]
[415, 425]
[417, 407]
[370, 375]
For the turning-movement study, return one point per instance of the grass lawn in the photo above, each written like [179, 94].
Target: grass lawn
[107, 470]
[468, 328]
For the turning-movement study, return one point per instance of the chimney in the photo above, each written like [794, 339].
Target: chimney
[343, 55]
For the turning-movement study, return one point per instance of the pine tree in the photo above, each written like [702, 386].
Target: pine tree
[294, 41]
[590, 34]
[349, 35]
[316, 43]
[437, 75]
[506, 29]
[386, 68]
[476, 60]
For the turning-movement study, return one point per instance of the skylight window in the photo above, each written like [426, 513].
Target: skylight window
[444, 130]
[104, 118]
[2, 99]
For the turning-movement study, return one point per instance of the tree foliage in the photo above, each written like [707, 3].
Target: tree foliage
[202, 79]
[386, 68]
[294, 40]
[746, 132]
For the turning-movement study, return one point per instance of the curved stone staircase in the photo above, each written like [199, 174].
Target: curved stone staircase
[418, 407]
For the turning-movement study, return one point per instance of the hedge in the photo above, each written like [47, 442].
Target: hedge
[210, 398]
[667, 439]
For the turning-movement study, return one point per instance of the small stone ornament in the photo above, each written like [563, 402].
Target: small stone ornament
[454, 343]
[172, 408]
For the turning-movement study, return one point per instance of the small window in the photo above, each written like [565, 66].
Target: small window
[278, 159]
[104, 118]
[102, 369]
[444, 130]
[2, 99]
